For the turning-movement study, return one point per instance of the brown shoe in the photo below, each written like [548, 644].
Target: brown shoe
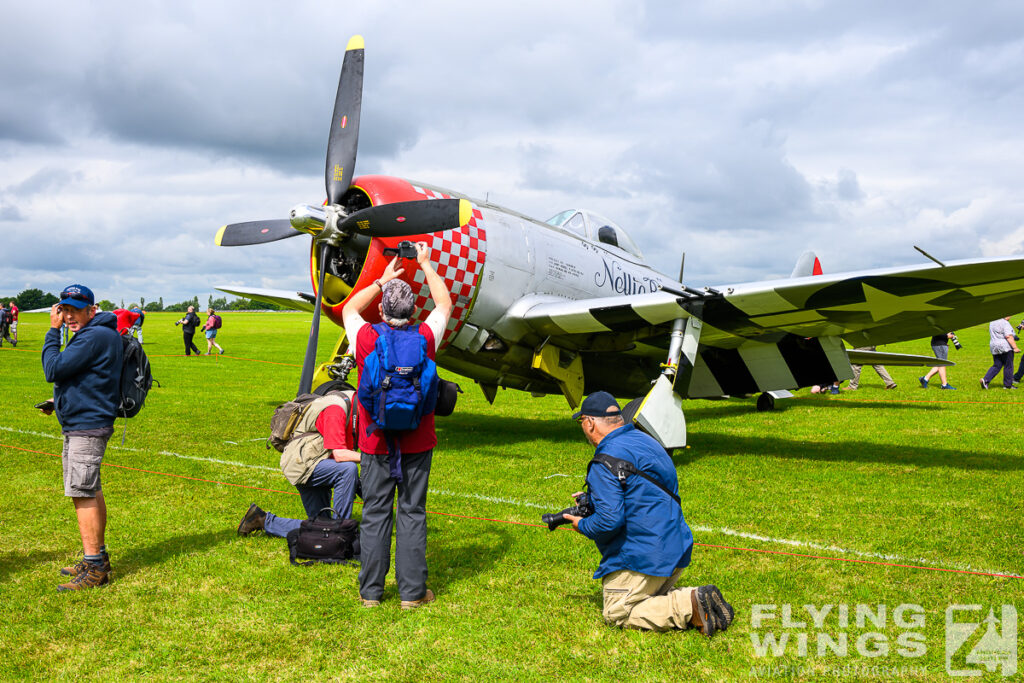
[370, 603]
[252, 521]
[413, 604]
[92, 576]
[82, 565]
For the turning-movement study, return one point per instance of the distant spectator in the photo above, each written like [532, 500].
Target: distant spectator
[213, 323]
[1003, 345]
[940, 347]
[826, 388]
[13, 310]
[136, 328]
[880, 369]
[319, 460]
[188, 330]
[1018, 376]
[125, 319]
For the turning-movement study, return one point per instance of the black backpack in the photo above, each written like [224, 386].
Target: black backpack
[136, 377]
[324, 538]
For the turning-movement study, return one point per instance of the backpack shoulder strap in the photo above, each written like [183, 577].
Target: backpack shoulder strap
[622, 469]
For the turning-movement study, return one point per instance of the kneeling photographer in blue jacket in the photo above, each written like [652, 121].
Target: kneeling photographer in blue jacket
[637, 523]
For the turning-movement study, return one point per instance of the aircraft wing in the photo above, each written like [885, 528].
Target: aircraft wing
[864, 308]
[290, 300]
[783, 334]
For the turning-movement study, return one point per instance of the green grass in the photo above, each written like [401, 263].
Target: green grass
[926, 478]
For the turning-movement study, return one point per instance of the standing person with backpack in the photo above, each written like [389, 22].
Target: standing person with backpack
[396, 460]
[5, 326]
[213, 323]
[86, 379]
[188, 330]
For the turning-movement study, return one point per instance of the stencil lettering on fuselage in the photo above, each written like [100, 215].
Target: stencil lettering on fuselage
[458, 256]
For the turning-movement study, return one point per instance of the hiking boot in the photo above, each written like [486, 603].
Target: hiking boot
[371, 603]
[252, 521]
[413, 604]
[82, 565]
[947, 386]
[923, 381]
[92, 576]
[715, 613]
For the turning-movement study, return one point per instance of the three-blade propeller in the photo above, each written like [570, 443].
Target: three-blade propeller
[333, 225]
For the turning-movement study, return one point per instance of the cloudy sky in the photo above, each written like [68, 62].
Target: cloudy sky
[740, 132]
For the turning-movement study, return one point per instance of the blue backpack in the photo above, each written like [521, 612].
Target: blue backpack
[398, 385]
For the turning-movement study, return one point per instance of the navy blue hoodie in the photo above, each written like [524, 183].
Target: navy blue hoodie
[86, 376]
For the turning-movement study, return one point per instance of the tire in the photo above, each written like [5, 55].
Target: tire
[333, 385]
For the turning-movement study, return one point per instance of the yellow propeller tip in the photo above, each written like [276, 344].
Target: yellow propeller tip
[355, 43]
[465, 212]
[220, 235]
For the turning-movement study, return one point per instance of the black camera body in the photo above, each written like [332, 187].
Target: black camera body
[583, 508]
[405, 249]
[956, 342]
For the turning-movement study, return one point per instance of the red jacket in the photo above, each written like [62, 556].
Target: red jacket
[125, 319]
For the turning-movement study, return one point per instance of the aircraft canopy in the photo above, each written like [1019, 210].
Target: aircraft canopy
[596, 228]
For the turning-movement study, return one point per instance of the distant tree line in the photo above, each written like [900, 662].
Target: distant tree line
[31, 299]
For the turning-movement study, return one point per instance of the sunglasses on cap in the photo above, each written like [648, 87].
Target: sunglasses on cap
[75, 294]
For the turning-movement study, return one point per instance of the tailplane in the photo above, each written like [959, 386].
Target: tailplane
[808, 264]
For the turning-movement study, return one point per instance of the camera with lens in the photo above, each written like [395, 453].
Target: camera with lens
[956, 342]
[405, 249]
[583, 508]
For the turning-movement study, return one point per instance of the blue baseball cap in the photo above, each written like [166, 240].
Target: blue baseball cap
[597, 405]
[78, 296]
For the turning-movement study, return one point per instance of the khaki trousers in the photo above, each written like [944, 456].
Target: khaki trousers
[635, 600]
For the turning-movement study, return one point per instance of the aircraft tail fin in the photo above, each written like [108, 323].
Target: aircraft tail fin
[807, 264]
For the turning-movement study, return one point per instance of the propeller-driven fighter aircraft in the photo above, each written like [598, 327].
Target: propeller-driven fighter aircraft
[570, 306]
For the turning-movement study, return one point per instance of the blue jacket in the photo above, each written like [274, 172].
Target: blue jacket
[636, 526]
[86, 376]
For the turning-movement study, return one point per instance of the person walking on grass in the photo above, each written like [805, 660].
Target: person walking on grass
[639, 529]
[213, 323]
[188, 330]
[880, 369]
[940, 347]
[1003, 345]
[404, 464]
[86, 379]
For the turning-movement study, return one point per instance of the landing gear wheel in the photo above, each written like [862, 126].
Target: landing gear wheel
[630, 411]
[765, 402]
[333, 385]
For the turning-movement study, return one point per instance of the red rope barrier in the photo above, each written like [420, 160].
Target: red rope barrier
[543, 526]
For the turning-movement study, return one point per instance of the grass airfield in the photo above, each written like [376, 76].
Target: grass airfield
[869, 500]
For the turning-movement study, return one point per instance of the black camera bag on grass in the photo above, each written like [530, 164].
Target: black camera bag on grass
[324, 538]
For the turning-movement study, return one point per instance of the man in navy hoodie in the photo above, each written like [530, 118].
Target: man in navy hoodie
[86, 380]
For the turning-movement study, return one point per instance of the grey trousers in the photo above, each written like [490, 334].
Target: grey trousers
[375, 529]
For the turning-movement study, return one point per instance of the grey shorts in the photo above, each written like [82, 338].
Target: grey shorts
[941, 352]
[81, 459]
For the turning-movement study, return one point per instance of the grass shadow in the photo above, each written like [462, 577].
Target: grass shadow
[455, 557]
[847, 452]
[135, 559]
[11, 562]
